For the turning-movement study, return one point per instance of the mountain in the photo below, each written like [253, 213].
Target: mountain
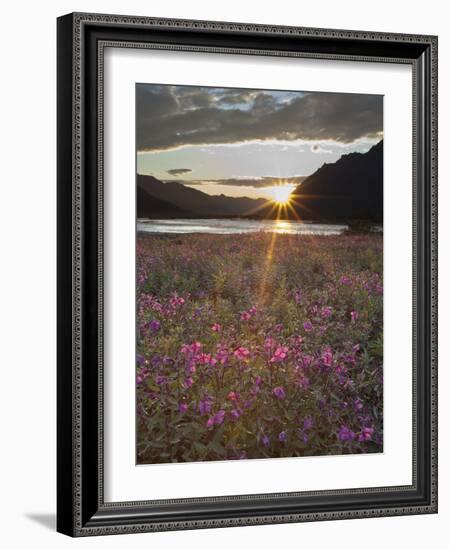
[191, 202]
[348, 189]
[149, 206]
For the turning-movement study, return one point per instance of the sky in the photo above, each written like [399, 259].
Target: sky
[243, 142]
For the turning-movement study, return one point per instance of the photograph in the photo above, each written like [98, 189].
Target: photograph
[259, 273]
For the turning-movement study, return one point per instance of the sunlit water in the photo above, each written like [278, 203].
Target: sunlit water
[231, 226]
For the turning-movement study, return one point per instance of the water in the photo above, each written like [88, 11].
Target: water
[236, 226]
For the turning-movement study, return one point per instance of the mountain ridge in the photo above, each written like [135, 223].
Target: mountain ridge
[351, 188]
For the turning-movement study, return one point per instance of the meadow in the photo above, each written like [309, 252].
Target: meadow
[258, 346]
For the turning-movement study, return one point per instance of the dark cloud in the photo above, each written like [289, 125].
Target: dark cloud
[235, 98]
[178, 171]
[266, 181]
[172, 116]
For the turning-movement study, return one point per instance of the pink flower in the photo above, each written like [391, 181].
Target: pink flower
[206, 359]
[191, 348]
[183, 407]
[345, 280]
[279, 355]
[241, 353]
[216, 327]
[246, 315]
[326, 357]
[188, 382]
[196, 346]
[176, 301]
[222, 354]
[354, 316]
[326, 312]
[232, 396]
[366, 433]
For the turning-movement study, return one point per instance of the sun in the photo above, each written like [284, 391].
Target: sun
[281, 193]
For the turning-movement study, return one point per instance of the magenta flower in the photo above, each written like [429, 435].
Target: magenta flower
[217, 419]
[222, 354]
[279, 392]
[216, 327]
[183, 407]
[345, 434]
[326, 312]
[188, 382]
[326, 357]
[354, 316]
[345, 280]
[279, 355]
[246, 315]
[196, 346]
[307, 326]
[242, 353]
[191, 348]
[205, 359]
[155, 325]
[366, 433]
[176, 301]
[144, 373]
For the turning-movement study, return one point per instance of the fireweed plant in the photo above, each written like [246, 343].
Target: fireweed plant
[258, 345]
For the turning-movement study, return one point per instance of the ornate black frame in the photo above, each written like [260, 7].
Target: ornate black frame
[81, 509]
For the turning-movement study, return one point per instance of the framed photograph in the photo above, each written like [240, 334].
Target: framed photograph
[246, 274]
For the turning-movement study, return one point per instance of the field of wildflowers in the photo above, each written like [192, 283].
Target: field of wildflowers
[258, 345]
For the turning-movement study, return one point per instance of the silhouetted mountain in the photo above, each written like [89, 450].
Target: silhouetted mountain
[191, 201]
[149, 206]
[348, 189]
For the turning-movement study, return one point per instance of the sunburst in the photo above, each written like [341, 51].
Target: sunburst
[281, 194]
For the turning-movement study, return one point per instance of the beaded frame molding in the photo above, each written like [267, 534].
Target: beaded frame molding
[81, 509]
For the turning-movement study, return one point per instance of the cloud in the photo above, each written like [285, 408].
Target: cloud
[266, 181]
[178, 171]
[169, 117]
